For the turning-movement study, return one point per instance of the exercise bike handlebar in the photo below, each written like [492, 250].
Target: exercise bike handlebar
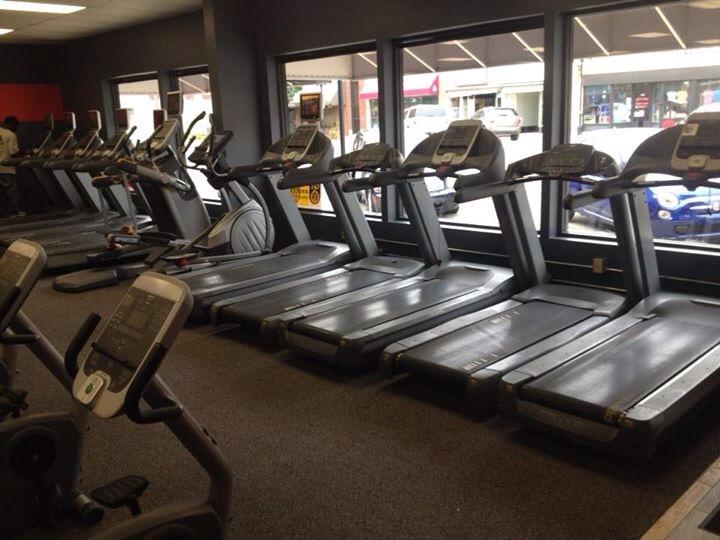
[78, 342]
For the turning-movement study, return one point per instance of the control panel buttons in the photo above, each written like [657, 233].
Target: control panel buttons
[697, 161]
[90, 389]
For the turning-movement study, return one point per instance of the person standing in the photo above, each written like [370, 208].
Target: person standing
[9, 191]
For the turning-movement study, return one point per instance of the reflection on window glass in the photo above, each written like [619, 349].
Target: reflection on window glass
[497, 79]
[141, 98]
[636, 72]
[197, 99]
[349, 88]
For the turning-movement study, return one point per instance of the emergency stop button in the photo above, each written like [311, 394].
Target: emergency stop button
[697, 161]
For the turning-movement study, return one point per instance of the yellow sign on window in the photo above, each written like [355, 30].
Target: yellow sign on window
[307, 196]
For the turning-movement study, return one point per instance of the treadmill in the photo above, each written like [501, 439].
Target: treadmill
[472, 352]
[108, 208]
[270, 308]
[350, 332]
[625, 386]
[311, 150]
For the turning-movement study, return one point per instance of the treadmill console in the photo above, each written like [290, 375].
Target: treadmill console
[371, 155]
[20, 267]
[49, 122]
[565, 159]
[456, 142]
[698, 147]
[148, 318]
[299, 143]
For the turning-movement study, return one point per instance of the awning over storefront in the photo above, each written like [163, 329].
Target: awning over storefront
[413, 86]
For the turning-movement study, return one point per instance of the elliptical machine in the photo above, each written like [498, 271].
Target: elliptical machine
[245, 231]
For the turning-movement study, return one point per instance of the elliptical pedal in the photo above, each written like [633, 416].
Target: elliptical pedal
[125, 491]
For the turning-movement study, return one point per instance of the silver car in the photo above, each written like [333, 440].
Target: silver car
[501, 121]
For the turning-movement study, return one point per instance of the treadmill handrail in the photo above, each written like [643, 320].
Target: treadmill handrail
[154, 175]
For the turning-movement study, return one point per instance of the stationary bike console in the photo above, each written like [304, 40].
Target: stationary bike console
[20, 267]
[132, 344]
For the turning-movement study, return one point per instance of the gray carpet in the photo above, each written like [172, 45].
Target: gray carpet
[321, 454]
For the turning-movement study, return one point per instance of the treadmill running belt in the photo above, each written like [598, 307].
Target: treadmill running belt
[278, 302]
[385, 307]
[223, 276]
[616, 375]
[474, 347]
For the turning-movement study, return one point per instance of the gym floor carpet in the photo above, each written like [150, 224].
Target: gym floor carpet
[317, 453]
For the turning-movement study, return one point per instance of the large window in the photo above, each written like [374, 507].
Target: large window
[349, 88]
[197, 99]
[141, 98]
[636, 72]
[497, 79]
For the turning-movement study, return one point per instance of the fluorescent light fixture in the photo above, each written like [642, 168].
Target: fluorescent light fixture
[4, 31]
[416, 57]
[712, 41]
[191, 85]
[592, 36]
[527, 47]
[670, 27]
[705, 4]
[454, 59]
[464, 49]
[38, 7]
[364, 57]
[650, 35]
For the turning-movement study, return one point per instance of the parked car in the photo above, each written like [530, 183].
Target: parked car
[427, 118]
[675, 212]
[501, 121]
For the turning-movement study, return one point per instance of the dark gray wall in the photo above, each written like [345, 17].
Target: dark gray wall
[160, 46]
[31, 64]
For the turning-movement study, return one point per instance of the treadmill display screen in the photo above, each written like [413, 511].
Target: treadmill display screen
[371, 155]
[121, 119]
[94, 118]
[311, 107]
[70, 120]
[159, 116]
[302, 138]
[49, 121]
[457, 139]
[700, 138]
[129, 336]
[569, 159]
[174, 103]
[12, 266]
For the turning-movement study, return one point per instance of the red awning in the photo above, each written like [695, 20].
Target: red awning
[413, 86]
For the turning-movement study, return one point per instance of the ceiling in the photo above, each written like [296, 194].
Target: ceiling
[98, 17]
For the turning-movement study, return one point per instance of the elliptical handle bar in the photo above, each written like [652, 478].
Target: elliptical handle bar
[186, 135]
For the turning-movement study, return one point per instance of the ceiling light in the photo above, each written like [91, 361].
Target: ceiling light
[416, 57]
[592, 36]
[670, 27]
[5, 31]
[650, 35]
[454, 59]
[526, 46]
[464, 49]
[364, 57]
[705, 4]
[536, 49]
[38, 7]
[713, 41]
